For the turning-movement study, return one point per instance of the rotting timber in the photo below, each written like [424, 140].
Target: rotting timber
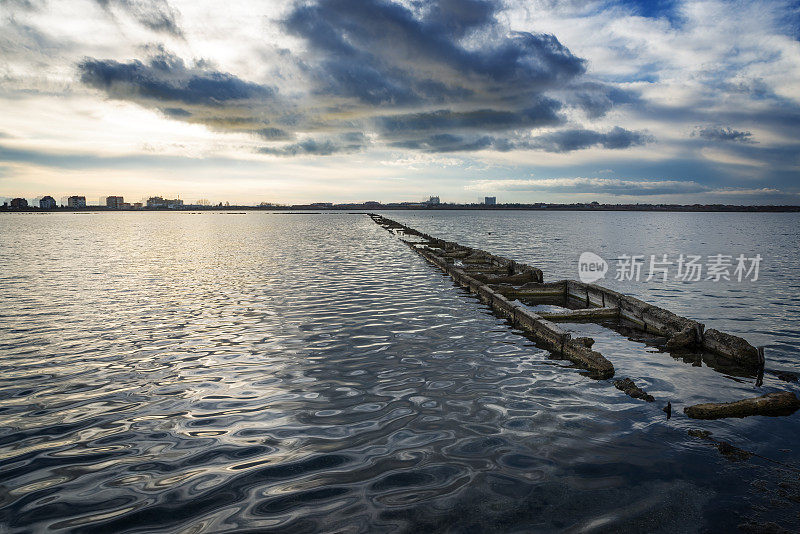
[503, 284]
[489, 276]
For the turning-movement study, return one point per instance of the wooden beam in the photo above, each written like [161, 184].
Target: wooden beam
[584, 314]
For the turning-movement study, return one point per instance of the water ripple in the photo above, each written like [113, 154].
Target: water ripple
[309, 373]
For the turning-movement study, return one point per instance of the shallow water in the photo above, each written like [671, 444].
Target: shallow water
[272, 372]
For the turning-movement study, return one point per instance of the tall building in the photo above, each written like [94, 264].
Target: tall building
[490, 201]
[114, 202]
[19, 203]
[433, 201]
[76, 201]
[47, 202]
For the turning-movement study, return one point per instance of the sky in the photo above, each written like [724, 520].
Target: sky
[619, 101]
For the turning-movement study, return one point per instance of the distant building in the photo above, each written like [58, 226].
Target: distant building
[490, 201]
[47, 203]
[114, 202]
[322, 205]
[18, 203]
[137, 205]
[433, 201]
[76, 201]
[156, 202]
[159, 202]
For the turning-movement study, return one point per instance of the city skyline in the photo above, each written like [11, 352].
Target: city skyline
[336, 100]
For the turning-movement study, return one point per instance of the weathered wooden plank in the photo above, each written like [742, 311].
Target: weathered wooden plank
[586, 314]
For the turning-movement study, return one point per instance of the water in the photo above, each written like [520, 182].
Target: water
[263, 372]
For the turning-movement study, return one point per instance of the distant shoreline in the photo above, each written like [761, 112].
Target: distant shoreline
[440, 207]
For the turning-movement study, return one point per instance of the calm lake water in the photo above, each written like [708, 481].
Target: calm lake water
[263, 372]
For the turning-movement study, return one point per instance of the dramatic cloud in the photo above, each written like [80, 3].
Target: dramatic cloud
[192, 93]
[569, 140]
[432, 78]
[541, 113]
[166, 80]
[560, 141]
[383, 53]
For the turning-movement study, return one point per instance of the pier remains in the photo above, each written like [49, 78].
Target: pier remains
[507, 286]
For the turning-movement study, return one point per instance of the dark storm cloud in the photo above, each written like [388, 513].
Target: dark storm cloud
[569, 140]
[157, 15]
[542, 113]
[166, 78]
[441, 76]
[459, 17]
[562, 141]
[724, 134]
[383, 53]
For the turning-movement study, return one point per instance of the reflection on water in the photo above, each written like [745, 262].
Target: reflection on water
[292, 373]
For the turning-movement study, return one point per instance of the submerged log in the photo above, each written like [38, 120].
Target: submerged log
[781, 403]
[627, 386]
[577, 352]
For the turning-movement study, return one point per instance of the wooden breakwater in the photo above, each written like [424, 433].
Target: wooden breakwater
[501, 283]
